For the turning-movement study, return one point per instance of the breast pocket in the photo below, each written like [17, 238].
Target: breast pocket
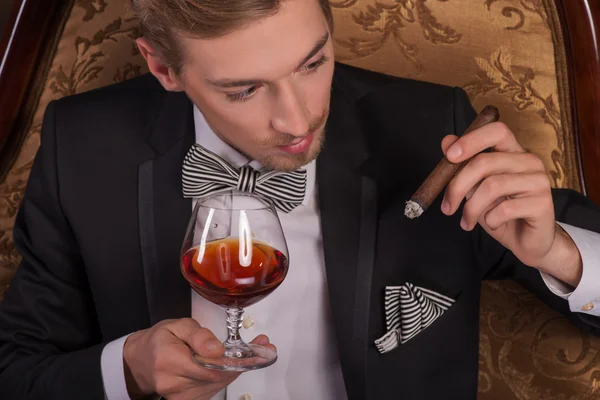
[413, 319]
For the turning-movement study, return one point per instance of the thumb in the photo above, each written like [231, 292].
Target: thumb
[205, 343]
[201, 340]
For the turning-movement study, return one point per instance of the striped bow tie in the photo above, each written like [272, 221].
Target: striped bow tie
[205, 174]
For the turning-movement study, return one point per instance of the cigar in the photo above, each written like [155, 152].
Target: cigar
[444, 171]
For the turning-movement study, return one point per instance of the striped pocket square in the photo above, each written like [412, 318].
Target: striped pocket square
[409, 309]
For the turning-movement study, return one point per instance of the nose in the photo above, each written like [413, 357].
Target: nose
[290, 115]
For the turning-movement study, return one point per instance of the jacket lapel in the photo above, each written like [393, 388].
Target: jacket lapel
[163, 212]
[348, 209]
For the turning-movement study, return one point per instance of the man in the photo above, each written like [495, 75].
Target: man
[99, 308]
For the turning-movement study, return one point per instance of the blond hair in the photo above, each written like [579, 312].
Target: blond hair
[161, 21]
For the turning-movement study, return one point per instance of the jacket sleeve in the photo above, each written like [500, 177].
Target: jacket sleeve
[49, 336]
[499, 263]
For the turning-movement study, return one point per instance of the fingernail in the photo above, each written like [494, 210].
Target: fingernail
[454, 152]
[463, 224]
[213, 345]
[446, 207]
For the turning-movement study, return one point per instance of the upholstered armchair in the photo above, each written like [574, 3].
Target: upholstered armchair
[536, 60]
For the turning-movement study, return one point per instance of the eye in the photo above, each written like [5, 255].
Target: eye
[243, 95]
[312, 67]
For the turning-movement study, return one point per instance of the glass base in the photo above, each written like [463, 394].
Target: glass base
[241, 357]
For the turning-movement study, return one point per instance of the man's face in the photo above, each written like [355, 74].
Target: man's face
[265, 88]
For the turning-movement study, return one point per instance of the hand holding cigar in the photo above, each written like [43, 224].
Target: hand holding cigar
[506, 191]
[443, 173]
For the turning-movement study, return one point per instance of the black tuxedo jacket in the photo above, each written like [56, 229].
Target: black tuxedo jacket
[103, 218]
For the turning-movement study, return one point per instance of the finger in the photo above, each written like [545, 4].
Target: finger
[182, 328]
[482, 166]
[531, 209]
[447, 142]
[201, 340]
[175, 369]
[495, 136]
[205, 343]
[174, 365]
[261, 340]
[271, 347]
[496, 188]
[471, 192]
[191, 370]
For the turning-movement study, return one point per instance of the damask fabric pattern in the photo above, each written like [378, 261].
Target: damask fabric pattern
[501, 52]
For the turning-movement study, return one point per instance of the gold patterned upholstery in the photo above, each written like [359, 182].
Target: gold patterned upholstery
[503, 52]
[500, 51]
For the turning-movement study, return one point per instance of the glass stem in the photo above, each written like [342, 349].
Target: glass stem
[234, 324]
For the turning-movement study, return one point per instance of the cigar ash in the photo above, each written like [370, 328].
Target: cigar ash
[413, 209]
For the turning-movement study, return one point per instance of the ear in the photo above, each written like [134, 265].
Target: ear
[158, 67]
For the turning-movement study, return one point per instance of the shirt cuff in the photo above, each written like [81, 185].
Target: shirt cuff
[113, 372]
[586, 297]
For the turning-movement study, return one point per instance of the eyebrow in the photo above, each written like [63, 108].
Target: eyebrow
[228, 83]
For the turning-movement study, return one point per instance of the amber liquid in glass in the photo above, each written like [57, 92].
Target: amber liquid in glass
[220, 277]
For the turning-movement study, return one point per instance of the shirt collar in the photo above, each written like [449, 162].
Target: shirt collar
[208, 139]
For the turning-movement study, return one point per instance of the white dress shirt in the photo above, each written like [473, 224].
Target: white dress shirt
[296, 316]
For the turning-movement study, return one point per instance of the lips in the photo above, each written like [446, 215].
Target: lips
[300, 147]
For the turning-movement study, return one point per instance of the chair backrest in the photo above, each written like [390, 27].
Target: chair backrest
[513, 54]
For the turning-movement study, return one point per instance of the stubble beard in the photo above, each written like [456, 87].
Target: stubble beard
[291, 162]
[286, 162]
